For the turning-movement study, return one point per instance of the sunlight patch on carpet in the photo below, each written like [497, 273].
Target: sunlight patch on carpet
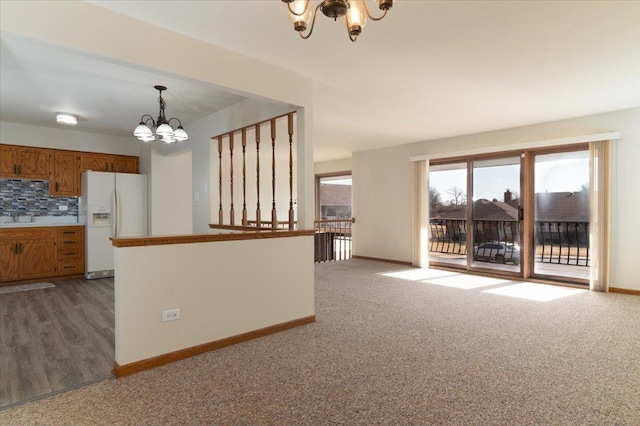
[536, 292]
[466, 282]
[419, 274]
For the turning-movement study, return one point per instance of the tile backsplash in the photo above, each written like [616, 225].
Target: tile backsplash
[20, 197]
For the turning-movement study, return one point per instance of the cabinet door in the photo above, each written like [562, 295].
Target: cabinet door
[37, 258]
[125, 164]
[65, 176]
[9, 264]
[95, 162]
[8, 161]
[33, 163]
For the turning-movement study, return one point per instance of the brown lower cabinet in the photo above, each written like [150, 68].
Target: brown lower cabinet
[29, 254]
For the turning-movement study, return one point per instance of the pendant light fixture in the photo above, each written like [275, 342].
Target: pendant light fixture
[163, 130]
[354, 12]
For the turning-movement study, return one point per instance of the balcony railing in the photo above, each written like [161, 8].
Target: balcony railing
[333, 239]
[564, 243]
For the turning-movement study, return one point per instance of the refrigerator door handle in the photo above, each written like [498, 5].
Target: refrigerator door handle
[118, 216]
[114, 206]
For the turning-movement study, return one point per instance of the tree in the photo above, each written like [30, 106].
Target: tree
[435, 199]
[459, 196]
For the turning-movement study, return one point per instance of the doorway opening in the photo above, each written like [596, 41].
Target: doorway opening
[333, 239]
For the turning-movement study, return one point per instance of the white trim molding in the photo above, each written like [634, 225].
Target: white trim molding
[523, 145]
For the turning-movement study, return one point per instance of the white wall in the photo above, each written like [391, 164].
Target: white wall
[216, 288]
[170, 188]
[334, 166]
[60, 138]
[382, 186]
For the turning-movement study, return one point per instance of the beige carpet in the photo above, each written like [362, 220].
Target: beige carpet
[428, 348]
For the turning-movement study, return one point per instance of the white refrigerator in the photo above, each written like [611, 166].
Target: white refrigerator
[111, 205]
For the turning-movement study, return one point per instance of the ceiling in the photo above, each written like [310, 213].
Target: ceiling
[429, 70]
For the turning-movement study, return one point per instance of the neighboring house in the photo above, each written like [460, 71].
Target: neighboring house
[549, 207]
[335, 201]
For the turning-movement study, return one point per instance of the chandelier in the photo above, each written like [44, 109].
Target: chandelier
[163, 129]
[355, 13]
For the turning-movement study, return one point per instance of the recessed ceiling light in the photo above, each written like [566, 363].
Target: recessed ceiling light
[67, 118]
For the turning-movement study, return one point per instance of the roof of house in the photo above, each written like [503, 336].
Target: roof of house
[549, 207]
[335, 195]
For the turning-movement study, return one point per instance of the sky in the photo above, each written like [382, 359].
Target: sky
[553, 173]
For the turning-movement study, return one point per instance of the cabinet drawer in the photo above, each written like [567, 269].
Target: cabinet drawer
[70, 267]
[68, 242]
[69, 233]
[69, 253]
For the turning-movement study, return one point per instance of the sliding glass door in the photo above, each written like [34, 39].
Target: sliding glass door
[448, 214]
[527, 216]
[496, 214]
[561, 239]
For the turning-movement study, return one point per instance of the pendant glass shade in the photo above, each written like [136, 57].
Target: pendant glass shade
[142, 131]
[147, 138]
[164, 130]
[356, 15]
[180, 135]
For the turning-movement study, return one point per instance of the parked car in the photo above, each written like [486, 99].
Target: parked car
[497, 251]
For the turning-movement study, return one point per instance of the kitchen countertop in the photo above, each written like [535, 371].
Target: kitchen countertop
[39, 221]
[36, 225]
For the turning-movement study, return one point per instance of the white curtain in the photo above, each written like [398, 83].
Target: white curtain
[420, 215]
[599, 196]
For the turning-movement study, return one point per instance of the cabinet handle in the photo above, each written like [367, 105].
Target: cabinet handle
[15, 169]
[69, 267]
[19, 169]
[68, 232]
[57, 187]
[20, 245]
[15, 248]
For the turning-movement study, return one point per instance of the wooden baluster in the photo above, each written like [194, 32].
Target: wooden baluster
[290, 122]
[220, 213]
[231, 212]
[244, 177]
[258, 213]
[274, 215]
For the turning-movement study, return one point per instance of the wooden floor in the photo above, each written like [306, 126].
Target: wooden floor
[56, 338]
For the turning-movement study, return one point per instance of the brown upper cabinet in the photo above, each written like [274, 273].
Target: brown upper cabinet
[65, 173]
[24, 162]
[108, 163]
[62, 168]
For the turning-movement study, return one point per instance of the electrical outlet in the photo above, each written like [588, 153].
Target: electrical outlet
[63, 208]
[171, 315]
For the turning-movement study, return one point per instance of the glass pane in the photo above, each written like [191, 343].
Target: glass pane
[562, 214]
[447, 214]
[335, 197]
[496, 223]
